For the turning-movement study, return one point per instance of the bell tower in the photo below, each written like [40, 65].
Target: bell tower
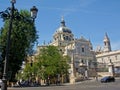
[107, 46]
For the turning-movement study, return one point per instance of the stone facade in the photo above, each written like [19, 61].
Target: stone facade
[84, 57]
[106, 55]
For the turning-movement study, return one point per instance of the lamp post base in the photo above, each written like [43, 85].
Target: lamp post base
[72, 80]
[4, 84]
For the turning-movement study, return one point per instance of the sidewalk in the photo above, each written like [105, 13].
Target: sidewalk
[88, 80]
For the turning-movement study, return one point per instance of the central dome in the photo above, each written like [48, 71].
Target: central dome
[63, 28]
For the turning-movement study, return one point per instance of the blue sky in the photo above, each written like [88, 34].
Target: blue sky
[88, 18]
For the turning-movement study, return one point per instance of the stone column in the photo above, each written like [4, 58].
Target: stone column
[111, 68]
[86, 74]
[72, 73]
[72, 78]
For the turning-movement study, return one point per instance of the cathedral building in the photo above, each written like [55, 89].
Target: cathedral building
[83, 60]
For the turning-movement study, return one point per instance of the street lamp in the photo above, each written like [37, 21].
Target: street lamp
[34, 11]
[9, 13]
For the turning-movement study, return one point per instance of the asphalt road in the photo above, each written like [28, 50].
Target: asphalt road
[86, 85]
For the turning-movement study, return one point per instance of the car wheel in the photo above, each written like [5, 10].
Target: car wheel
[107, 81]
[113, 80]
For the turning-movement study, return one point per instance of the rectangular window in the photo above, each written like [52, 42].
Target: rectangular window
[83, 49]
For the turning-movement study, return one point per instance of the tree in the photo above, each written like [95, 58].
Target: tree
[27, 72]
[23, 38]
[51, 62]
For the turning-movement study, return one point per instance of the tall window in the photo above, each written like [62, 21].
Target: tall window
[83, 50]
[115, 57]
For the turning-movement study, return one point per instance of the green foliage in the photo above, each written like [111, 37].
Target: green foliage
[23, 37]
[51, 62]
[27, 72]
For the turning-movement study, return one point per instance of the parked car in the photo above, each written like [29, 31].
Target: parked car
[0, 83]
[107, 79]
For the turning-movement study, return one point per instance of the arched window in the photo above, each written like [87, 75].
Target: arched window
[66, 37]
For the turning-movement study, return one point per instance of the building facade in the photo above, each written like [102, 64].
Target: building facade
[105, 56]
[84, 60]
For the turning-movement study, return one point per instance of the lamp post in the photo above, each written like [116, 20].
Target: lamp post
[10, 14]
[4, 79]
[34, 11]
[0, 65]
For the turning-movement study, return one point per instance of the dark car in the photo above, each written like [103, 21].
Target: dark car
[0, 83]
[108, 79]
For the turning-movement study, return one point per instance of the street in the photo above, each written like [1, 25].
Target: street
[86, 85]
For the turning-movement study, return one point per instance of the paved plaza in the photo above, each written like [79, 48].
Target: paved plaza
[86, 85]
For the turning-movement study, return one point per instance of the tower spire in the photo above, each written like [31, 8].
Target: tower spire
[62, 21]
[107, 46]
[106, 36]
